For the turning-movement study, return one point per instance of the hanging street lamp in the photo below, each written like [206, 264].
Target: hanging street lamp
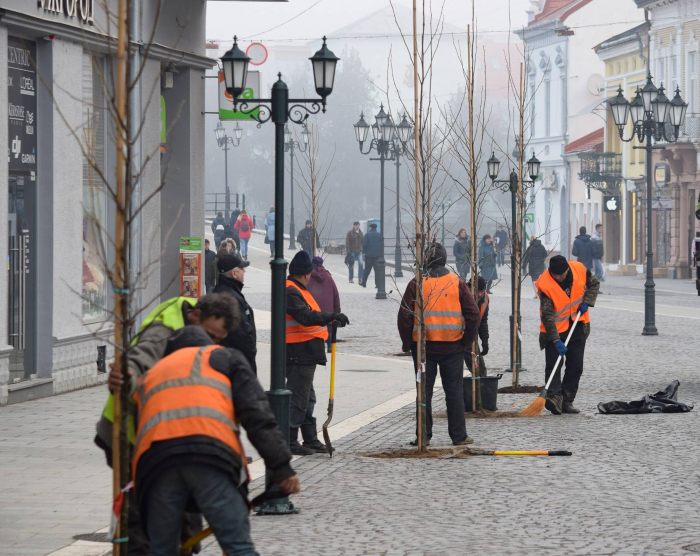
[224, 141]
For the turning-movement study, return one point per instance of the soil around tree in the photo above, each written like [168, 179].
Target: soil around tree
[521, 390]
[483, 414]
[431, 453]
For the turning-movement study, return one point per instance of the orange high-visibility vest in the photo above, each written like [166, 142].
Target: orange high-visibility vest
[182, 395]
[442, 315]
[485, 304]
[296, 332]
[565, 308]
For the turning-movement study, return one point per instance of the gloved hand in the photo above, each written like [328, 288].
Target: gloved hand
[484, 349]
[342, 319]
[583, 307]
[561, 348]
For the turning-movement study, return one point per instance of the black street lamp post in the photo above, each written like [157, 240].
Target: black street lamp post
[290, 146]
[224, 141]
[384, 141]
[511, 184]
[650, 111]
[281, 109]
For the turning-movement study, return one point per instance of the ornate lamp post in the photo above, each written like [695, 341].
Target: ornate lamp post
[385, 142]
[224, 141]
[281, 109]
[290, 146]
[650, 111]
[512, 185]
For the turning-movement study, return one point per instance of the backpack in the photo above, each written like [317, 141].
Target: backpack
[244, 226]
[349, 259]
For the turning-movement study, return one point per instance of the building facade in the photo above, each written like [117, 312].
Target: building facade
[56, 320]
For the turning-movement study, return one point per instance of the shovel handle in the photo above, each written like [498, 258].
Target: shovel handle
[556, 365]
[334, 329]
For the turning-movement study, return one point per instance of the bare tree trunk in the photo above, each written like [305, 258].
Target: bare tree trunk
[516, 239]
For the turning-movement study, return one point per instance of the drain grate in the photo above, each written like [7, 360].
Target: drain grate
[93, 537]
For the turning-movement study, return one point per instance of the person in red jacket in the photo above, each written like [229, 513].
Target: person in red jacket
[325, 292]
[244, 227]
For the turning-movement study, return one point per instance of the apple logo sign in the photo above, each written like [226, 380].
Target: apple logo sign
[612, 203]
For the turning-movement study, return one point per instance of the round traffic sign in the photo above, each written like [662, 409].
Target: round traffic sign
[257, 53]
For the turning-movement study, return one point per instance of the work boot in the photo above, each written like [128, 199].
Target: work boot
[415, 442]
[553, 404]
[568, 407]
[296, 448]
[317, 447]
[468, 440]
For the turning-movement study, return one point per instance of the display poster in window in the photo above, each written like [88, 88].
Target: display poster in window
[21, 103]
[190, 266]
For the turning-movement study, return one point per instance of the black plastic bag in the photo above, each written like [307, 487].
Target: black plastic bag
[664, 401]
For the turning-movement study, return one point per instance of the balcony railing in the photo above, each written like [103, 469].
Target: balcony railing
[602, 171]
[689, 131]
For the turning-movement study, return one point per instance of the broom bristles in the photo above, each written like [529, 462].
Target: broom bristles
[535, 408]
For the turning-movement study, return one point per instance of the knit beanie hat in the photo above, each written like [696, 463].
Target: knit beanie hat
[317, 261]
[437, 255]
[301, 264]
[558, 264]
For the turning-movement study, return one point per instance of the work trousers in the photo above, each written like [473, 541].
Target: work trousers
[300, 382]
[450, 366]
[568, 387]
[217, 497]
[360, 269]
[370, 263]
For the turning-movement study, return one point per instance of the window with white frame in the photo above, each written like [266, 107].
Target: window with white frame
[660, 70]
[673, 79]
[692, 70]
[547, 108]
[533, 127]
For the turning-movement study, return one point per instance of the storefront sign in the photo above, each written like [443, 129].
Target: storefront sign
[81, 9]
[21, 98]
[252, 90]
[662, 174]
[191, 266]
[612, 203]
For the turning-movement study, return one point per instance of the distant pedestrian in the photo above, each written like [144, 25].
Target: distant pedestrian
[306, 238]
[219, 220]
[584, 249]
[270, 229]
[223, 250]
[501, 244]
[487, 262]
[462, 253]
[325, 292]
[255, 223]
[209, 270]
[306, 334]
[244, 227]
[231, 281]
[353, 246]
[371, 247]
[219, 235]
[482, 302]
[198, 458]
[451, 320]
[599, 248]
[231, 233]
[534, 261]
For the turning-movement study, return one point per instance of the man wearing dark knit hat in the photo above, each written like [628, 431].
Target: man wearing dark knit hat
[306, 336]
[565, 289]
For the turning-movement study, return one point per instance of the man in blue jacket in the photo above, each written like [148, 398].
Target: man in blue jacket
[584, 249]
[371, 247]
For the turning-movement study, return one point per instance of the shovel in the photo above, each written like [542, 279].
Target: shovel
[326, 437]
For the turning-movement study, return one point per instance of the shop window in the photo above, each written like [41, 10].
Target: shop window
[94, 193]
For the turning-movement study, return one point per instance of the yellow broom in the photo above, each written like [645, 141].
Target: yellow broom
[536, 407]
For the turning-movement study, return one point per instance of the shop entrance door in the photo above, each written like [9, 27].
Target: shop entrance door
[663, 237]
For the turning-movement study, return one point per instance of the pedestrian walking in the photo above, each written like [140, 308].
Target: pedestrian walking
[219, 235]
[325, 292]
[501, 244]
[213, 266]
[451, 320]
[487, 262]
[306, 238]
[483, 304]
[232, 234]
[244, 226]
[565, 289]
[599, 252]
[462, 253]
[353, 246]
[199, 458]
[231, 281]
[255, 223]
[209, 266]
[584, 249]
[270, 229]
[219, 220]
[371, 248]
[306, 336]
[534, 261]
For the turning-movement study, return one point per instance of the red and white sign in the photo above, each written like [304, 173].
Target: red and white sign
[257, 53]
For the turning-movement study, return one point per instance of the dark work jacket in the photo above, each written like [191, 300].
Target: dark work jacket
[535, 258]
[209, 268]
[468, 308]
[312, 352]
[584, 250]
[371, 243]
[306, 238]
[254, 415]
[219, 220]
[244, 336]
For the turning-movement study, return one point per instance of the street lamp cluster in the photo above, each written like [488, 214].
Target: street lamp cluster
[280, 109]
[224, 141]
[290, 146]
[390, 142]
[650, 112]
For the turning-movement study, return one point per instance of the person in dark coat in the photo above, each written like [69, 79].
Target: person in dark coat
[487, 261]
[218, 221]
[304, 355]
[534, 261]
[231, 279]
[501, 244]
[231, 233]
[353, 245]
[584, 249]
[209, 268]
[306, 238]
[483, 304]
[462, 253]
[325, 292]
[371, 248]
[270, 230]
